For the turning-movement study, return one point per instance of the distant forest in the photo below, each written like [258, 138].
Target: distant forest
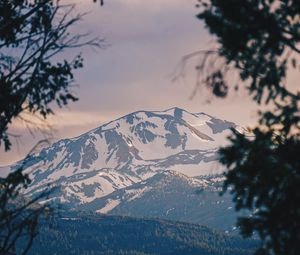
[93, 234]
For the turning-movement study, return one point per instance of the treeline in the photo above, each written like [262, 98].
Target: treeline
[95, 235]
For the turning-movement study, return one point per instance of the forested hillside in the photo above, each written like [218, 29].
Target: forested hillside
[94, 234]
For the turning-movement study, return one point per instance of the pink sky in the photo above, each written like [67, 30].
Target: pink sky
[147, 40]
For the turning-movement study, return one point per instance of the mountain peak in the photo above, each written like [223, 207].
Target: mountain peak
[175, 108]
[146, 145]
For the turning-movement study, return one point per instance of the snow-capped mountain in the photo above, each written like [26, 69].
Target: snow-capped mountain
[132, 161]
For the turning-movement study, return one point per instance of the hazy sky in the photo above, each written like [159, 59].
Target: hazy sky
[146, 42]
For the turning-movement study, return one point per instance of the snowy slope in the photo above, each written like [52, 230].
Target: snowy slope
[173, 196]
[89, 170]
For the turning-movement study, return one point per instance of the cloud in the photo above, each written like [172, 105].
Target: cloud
[147, 40]
[57, 123]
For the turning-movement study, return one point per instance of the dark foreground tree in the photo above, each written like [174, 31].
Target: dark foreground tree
[19, 216]
[259, 39]
[33, 74]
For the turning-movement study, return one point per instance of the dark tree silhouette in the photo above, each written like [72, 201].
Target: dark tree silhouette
[32, 33]
[100, 1]
[33, 74]
[260, 39]
[19, 216]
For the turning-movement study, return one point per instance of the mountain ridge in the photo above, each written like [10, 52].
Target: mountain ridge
[166, 149]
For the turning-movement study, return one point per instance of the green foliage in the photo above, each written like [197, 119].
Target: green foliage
[260, 38]
[32, 34]
[265, 179]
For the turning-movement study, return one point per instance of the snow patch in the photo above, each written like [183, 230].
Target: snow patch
[111, 204]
